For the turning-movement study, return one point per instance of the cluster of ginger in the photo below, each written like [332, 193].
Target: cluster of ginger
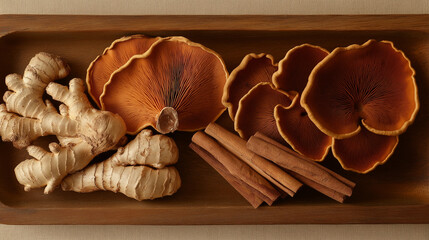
[139, 169]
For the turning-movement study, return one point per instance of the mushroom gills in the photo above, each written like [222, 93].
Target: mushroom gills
[364, 151]
[176, 85]
[292, 121]
[253, 69]
[299, 131]
[113, 57]
[371, 83]
[256, 111]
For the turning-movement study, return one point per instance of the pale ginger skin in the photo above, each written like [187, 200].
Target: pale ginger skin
[147, 149]
[49, 168]
[82, 130]
[138, 182]
[25, 99]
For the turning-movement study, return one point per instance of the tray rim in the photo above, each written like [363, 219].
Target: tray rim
[10, 23]
[419, 22]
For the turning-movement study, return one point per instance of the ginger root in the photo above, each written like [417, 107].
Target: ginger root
[82, 131]
[156, 151]
[138, 182]
[34, 117]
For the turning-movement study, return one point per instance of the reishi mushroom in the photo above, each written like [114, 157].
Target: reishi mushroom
[371, 85]
[296, 66]
[176, 85]
[113, 57]
[300, 132]
[364, 151]
[256, 111]
[253, 69]
[357, 93]
[292, 121]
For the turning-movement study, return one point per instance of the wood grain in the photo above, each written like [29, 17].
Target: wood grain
[250, 22]
[396, 192]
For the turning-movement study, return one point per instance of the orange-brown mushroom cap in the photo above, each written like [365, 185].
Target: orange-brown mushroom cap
[296, 66]
[256, 111]
[253, 69]
[175, 84]
[293, 123]
[363, 152]
[113, 57]
[300, 132]
[372, 84]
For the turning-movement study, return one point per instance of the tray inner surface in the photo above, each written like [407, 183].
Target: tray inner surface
[403, 180]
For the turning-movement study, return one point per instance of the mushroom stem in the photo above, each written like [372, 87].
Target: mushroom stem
[167, 120]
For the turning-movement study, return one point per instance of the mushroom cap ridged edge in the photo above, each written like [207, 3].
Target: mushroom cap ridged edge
[337, 50]
[373, 166]
[149, 52]
[243, 64]
[243, 99]
[286, 57]
[91, 65]
[285, 137]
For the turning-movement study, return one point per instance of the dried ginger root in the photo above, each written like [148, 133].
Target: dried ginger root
[156, 151]
[139, 182]
[82, 130]
[34, 117]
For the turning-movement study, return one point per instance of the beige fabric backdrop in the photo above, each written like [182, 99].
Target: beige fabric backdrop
[142, 7]
[135, 7]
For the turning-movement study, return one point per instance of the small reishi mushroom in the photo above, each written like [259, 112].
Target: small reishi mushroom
[364, 151]
[176, 85]
[293, 123]
[253, 69]
[113, 57]
[300, 132]
[256, 111]
[362, 91]
[296, 66]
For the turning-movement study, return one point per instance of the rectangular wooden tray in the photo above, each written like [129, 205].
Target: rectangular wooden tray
[397, 192]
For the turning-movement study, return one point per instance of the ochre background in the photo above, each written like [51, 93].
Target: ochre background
[208, 7]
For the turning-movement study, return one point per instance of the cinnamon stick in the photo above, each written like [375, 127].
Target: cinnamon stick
[297, 165]
[237, 168]
[244, 189]
[320, 188]
[283, 147]
[316, 186]
[267, 169]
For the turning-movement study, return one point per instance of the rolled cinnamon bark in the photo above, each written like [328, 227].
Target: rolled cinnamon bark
[320, 188]
[283, 147]
[267, 169]
[237, 168]
[296, 164]
[244, 189]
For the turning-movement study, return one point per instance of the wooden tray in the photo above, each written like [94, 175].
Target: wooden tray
[397, 192]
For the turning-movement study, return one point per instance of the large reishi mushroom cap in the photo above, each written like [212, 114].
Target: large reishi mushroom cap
[253, 69]
[176, 84]
[371, 85]
[364, 151]
[113, 57]
[293, 123]
[256, 111]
